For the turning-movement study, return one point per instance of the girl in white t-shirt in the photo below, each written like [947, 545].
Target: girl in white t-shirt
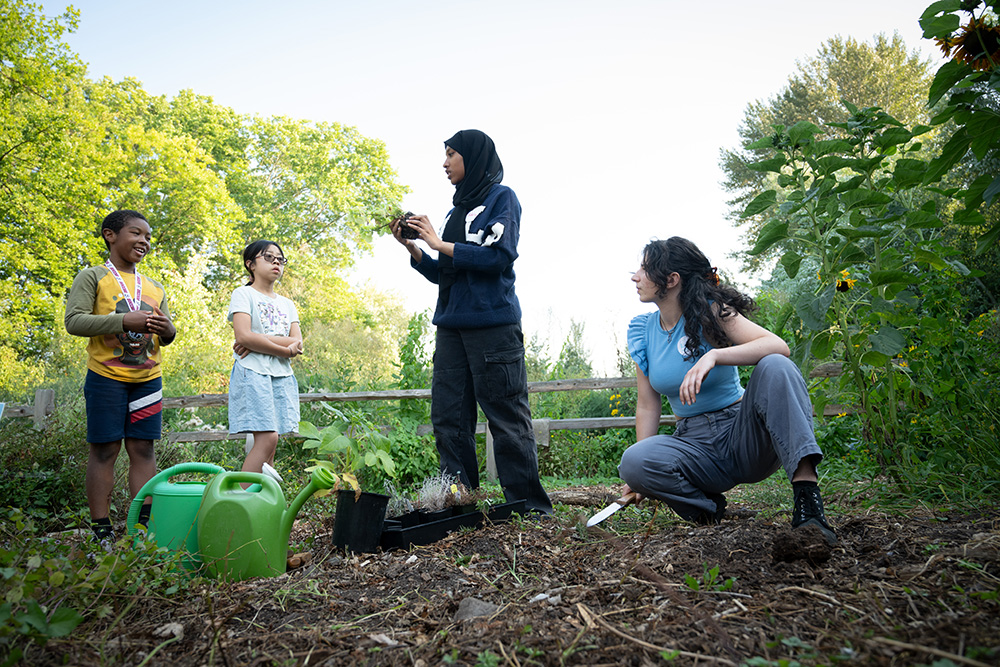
[263, 393]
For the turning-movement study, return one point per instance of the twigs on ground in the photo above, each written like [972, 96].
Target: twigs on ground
[933, 651]
[590, 619]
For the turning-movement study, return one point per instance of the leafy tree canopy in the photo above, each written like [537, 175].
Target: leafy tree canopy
[208, 179]
[883, 73]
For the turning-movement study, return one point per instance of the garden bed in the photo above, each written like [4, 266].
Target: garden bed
[907, 588]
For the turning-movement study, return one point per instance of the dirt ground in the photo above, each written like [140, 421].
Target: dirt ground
[903, 589]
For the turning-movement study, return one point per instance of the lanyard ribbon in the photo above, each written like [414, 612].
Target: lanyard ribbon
[133, 304]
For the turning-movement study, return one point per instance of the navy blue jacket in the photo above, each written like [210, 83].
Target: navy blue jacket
[483, 292]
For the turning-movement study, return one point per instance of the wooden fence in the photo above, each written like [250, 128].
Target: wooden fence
[45, 404]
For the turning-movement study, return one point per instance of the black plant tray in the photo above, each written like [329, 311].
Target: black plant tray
[394, 536]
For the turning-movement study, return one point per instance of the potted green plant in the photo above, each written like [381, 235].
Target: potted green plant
[349, 448]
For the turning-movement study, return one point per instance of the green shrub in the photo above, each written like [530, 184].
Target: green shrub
[44, 471]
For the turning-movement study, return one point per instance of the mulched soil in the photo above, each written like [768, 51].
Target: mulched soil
[901, 589]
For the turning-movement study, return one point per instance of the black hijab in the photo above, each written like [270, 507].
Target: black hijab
[483, 169]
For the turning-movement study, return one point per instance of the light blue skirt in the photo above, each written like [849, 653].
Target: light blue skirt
[262, 402]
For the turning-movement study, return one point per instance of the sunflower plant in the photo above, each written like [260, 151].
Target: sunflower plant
[968, 89]
[849, 200]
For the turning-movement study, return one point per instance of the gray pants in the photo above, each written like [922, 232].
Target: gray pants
[744, 443]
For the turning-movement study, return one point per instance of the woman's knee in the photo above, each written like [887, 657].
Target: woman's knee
[644, 462]
[776, 363]
[776, 368]
[631, 465]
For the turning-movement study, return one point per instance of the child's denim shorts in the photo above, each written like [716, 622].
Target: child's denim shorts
[262, 402]
[117, 409]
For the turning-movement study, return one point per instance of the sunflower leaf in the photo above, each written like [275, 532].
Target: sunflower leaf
[761, 203]
[988, 240]
[791, 261]
[940, 26]
[893, 137]
[822, 344]
[802, 132]
[991, 191]
[947, 76]
[812, 308]
[908, 172]
[953, 151]
[891, 277]
[874, 358]
[774, 164]
[968, 217]
[889, 341]
[771, 233]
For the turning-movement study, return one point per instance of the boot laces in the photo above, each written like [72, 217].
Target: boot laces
[809, 505]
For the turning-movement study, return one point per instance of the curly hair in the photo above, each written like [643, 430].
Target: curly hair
[700, 289]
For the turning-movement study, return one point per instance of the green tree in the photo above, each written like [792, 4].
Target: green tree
[314, 184]
[883, 73]
[165, 175]
[41, 146]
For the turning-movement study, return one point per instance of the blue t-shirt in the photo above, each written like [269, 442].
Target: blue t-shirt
[660, 356]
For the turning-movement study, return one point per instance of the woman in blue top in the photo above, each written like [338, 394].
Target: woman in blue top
[479, 353]
[688, 350]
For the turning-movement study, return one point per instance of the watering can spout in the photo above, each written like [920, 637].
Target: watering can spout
[321, 479]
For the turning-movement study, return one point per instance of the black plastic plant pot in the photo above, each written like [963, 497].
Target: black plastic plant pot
[436, 515]
[407, 520]
[501, 513]
[358, 524]
[464, 509]
[392, 536]
[427, 533]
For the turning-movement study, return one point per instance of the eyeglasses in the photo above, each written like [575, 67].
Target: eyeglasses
[271, 259]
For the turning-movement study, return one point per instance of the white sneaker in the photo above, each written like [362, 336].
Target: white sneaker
[271, 472]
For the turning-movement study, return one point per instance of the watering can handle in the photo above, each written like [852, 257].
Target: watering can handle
[234, 479]
[147, 488]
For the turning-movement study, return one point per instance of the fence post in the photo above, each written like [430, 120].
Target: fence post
[541, 427]
[491, 461]
[45, 403]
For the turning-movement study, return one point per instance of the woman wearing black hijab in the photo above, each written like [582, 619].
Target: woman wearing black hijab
[479, 353]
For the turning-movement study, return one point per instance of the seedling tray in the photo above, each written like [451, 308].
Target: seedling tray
[395, 536]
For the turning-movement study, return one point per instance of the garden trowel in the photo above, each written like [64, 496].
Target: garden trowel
[627, 499]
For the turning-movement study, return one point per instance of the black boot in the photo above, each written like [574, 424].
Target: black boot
[713, 518]
[809, 510]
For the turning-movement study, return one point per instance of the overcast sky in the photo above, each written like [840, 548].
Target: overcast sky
[608, 116]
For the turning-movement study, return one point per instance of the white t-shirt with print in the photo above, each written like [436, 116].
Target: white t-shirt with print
[271, 316]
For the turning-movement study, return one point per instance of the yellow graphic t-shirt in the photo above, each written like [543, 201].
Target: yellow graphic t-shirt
[96, 308]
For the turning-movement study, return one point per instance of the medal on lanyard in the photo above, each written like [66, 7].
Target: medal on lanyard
[133, 304]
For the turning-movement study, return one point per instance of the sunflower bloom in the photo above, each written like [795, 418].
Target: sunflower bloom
[976, 43]
[845, 284]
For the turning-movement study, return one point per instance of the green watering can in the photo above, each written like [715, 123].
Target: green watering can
[244, 533]
[173, 516]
